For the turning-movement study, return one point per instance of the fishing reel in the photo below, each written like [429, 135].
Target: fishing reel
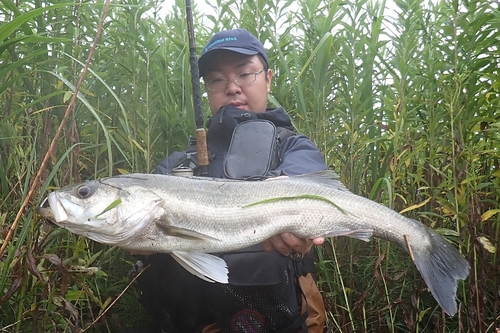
[188, 165]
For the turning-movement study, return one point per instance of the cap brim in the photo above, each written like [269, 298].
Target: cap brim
[202, 61]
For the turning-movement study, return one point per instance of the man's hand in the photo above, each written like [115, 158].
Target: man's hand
[286, 243]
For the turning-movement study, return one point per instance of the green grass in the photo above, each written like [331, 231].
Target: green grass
[404, 105]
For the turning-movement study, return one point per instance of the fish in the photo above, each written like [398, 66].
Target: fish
[193, 218]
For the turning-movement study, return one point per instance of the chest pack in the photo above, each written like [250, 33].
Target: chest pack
[254, 151]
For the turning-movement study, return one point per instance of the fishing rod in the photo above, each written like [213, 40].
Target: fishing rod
[201, 135]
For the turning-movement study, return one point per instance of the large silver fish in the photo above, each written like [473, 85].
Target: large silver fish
[191, 217]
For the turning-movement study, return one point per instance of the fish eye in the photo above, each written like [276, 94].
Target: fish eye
[84, 191]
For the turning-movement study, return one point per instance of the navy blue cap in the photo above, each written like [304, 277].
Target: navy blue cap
[238, 40]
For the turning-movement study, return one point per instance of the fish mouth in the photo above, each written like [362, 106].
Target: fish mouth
[52, 209]
[45, 210]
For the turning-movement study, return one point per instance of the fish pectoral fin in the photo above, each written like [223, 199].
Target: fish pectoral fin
[203, 265]
[183, 232]
[362, 234]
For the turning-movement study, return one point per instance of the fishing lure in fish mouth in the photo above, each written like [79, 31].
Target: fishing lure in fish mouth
[191, 217]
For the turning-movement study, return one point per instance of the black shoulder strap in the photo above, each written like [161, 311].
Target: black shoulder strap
[284, 133]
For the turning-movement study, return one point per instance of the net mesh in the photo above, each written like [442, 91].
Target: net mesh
[256, 309]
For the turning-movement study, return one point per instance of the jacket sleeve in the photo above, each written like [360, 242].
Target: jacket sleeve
[170, 162]
[299, 156]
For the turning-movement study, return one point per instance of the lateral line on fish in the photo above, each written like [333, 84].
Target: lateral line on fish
[410, 251]
[303, 196]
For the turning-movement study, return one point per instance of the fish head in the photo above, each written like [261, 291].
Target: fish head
[108, 212]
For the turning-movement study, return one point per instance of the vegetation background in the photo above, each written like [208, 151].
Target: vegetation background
[404, 104]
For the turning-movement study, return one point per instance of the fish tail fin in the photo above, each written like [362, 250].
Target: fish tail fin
[441, 266]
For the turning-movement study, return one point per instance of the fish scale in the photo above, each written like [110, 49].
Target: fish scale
[193, 217]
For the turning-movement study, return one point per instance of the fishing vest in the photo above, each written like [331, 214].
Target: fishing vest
[262, 294]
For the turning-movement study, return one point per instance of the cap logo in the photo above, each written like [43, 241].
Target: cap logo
[218, 41]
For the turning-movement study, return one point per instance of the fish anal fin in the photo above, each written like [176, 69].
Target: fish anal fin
[362, 234]
[203, 265]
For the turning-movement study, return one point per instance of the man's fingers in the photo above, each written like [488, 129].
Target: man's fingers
[286, 243]
[281, 245]
[267, 245]
[299, 245]
[318, 241]
[278, 244]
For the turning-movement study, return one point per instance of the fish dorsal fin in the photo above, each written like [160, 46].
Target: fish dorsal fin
[182, 232]
[203, 265]
[325, 177]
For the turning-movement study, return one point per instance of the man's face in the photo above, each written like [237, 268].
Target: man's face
[227, 65]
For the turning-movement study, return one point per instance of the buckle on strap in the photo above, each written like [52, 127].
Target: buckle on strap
[302, 265]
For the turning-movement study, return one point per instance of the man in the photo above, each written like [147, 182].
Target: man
[271, 288]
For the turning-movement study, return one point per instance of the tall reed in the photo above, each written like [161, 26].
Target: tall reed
[403, 101]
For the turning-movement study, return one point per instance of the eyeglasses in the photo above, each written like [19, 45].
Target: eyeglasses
[243, 79]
